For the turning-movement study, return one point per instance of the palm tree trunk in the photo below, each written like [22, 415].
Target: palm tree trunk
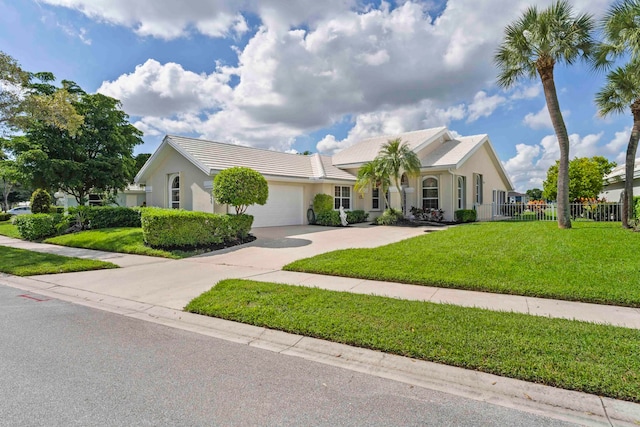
[629, 169]
[545, 70]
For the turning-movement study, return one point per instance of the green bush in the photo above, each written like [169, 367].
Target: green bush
[56, 209]
[40, 201]
[636, 204]
[240, 187]
[40, 226]
[357, 216]
[465, 215]
[106, 216]
[173, 228]
[389, 217]
[329, 218]
[4, 216]
[322, 203]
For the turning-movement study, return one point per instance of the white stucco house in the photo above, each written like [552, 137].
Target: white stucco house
[614, 183]
[456, 173]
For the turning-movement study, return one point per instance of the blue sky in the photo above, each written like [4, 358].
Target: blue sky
[308, 75]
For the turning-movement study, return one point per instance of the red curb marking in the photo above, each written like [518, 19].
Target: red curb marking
[34, 298]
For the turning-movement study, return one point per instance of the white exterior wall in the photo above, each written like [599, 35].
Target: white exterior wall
[613, 192]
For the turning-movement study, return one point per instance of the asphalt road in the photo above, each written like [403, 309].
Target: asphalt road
[63, 364]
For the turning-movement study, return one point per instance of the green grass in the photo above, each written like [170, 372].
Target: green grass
[593, 262]
[592, 358]
[21, 262]
[9, 230]
[123, 240]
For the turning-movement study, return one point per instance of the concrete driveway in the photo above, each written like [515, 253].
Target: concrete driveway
[173, 283]
[276, 247]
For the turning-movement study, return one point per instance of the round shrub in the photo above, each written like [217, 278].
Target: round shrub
[389, 217]
[240, 187]
[322, 203]
[40, 201]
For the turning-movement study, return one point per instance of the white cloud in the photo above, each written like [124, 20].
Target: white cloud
[528, 168]
[527, 92]
[541, 119]
[617, 147]
[154, 89]
[483, 105]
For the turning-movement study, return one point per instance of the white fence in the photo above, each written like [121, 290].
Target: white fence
[593, 211]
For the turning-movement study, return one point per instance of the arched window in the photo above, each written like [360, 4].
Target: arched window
[461, 192]
[174, 191]
[430, 193]
[404, 180]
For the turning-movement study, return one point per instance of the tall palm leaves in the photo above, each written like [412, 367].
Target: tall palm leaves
[621, 31]
[532, 46]
[395, 156]
[373, 174]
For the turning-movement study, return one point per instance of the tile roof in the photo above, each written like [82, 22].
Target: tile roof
[367, 149]
[452, 152]
[215, 156]
[617, 173]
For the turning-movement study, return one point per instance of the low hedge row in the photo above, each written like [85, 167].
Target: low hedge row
[332, 218]
[40, 226]
[4, 216]
[465, 215]
[107, 216]
[173, 228]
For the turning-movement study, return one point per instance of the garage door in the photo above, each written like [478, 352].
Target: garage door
[284, 207]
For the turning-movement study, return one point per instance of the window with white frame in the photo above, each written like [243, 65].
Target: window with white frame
[430, 193]
[342, 197]
[174, 191]
[375, 199]
[462, 190]
[478, 189]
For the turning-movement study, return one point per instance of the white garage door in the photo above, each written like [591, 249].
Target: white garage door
[284, 207]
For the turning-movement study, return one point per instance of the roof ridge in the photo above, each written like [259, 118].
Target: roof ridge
[230, 144]
[318, 160]
[402, 133]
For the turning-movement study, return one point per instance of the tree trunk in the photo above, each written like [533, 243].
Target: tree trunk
[629, 169]
[545, 70]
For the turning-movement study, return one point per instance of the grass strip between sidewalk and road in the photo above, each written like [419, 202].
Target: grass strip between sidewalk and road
[597, 359]
[21, 262]
[592, 262]
[127, 240]
[9, 230]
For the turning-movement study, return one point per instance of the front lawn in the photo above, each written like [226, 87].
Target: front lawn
[21, 262]
[593, 262]
[592, 358]
[9, 230]
[122, 240]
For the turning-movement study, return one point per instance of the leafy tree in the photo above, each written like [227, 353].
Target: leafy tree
[22, 99]
[533, 45]
[622, 88]
[534, 194]
[373, 174]
[140, 160]
[98, 157]
[585, 177]
[396, 156]
[9, 178]
[240, 187]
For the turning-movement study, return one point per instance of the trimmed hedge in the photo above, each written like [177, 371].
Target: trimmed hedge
[465, 215]
[328, 218]
[356, 216]
[636, 204]
[40, 226]
[173, 228]
[4, 216]
[331, 218]
[108, 216]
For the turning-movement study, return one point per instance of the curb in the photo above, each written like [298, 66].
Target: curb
[571, 406]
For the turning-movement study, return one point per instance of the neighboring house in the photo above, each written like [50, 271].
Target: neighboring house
[456, 173]
[515, 197]
[614, 183]
[133, 195]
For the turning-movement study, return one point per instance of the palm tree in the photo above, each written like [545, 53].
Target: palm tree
[621, 32]
[532, 46]
[373, 174]
[395, 155]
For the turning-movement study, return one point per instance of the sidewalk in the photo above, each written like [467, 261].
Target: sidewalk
[156, 290]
